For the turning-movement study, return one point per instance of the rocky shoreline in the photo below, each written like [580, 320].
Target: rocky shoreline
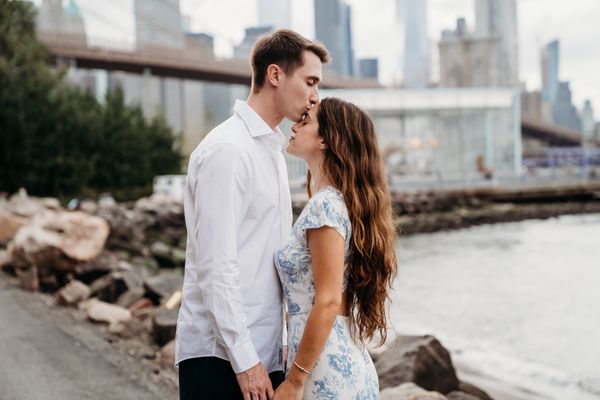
[120, 266]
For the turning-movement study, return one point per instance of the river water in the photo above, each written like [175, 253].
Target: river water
[518, 303]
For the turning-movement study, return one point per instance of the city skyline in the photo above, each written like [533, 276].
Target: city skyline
[227, 19]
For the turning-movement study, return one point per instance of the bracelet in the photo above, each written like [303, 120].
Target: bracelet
[300, 368]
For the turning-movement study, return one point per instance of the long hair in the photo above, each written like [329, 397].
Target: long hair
[353, 164]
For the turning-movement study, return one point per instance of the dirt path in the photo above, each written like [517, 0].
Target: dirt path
[53, 353]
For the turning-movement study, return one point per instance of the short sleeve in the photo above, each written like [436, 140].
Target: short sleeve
[326, 209]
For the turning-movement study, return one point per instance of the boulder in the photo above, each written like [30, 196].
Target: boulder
[166, 355]
[161, 287]
[130, 297]
[162, 253]
[28, 278]
[127, 228]
[104, 264]
[164, 326]
[469, 389]
[457, 395]
[128, 329]
[100, 311]
[409, 391]
[9, 225]
[58, 240]
[141, 306]
[111, 287]
[73, 293]
[419, 359]
[4, 259]
[22, 205]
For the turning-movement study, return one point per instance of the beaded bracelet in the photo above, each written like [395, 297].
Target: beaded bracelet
[300, 368]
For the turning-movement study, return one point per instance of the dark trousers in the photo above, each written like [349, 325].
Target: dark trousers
[213, 378]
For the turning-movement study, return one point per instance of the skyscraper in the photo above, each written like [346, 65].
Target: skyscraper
[274, 13]
[498, 18]
[564, 112]
[587, 120]
[333, 27]
[550, 69]
[54, 19]
[413, 15]
[253, 33]
[368, 68]
[158, 23]
[468, 60]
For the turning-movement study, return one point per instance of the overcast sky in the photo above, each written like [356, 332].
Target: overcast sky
[575, 22]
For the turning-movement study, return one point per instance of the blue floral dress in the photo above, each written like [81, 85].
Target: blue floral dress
[344, 369]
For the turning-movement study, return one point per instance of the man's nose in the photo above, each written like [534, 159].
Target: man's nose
[295, 128]
[314, 97]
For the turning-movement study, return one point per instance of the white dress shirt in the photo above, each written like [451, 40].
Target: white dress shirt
[237, 211]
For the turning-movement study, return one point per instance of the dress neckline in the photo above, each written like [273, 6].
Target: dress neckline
[327, 187]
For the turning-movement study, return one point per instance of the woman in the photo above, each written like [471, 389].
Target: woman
[338, 264]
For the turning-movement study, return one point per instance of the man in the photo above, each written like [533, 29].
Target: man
[237, 211]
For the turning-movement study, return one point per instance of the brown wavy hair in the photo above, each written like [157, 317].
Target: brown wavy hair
[353, 164]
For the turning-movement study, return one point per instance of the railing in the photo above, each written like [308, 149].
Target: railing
[556, 163]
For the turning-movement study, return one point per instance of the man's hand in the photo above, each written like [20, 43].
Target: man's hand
[255, 383]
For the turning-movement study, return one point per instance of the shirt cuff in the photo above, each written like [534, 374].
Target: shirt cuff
[243, 357]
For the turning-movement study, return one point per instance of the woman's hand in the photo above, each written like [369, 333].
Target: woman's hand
[289, 390]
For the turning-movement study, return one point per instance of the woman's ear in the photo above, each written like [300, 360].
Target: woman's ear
[322, 145]
[274, 74]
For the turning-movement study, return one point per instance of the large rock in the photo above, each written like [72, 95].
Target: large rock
[70, 236]
[409, 391]
[465, 389]
[419, 359]
[4, 259]
[100, 311]
[22, 205]
[166, 355]
[111, 287]
[167, 256]
[73, 293]
[458, 395]
[102, 265]
[161, 287]
[55, 243]
[9, 225]
[128, 329]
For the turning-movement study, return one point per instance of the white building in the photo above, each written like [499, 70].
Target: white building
[444, 136]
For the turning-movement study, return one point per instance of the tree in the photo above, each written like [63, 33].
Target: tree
[58, 140]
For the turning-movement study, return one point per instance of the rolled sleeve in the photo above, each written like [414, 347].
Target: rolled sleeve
[221, 200]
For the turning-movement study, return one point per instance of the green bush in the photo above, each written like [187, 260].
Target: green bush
[57, 140]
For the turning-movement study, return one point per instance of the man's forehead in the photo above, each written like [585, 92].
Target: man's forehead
[311, 66]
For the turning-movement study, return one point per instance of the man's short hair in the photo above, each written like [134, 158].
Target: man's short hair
[285, 48]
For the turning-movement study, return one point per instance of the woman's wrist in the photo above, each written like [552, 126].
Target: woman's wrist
[296, 376]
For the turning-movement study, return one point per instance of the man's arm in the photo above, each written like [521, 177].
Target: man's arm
[223, 179]
[221, 185]
[221, 201]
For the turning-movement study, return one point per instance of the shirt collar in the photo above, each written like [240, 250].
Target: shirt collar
[255, 124]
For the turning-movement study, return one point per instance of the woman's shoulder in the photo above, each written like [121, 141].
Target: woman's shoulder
[328, 198]
[327, 207]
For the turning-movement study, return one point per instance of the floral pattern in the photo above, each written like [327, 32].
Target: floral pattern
[344, 369]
